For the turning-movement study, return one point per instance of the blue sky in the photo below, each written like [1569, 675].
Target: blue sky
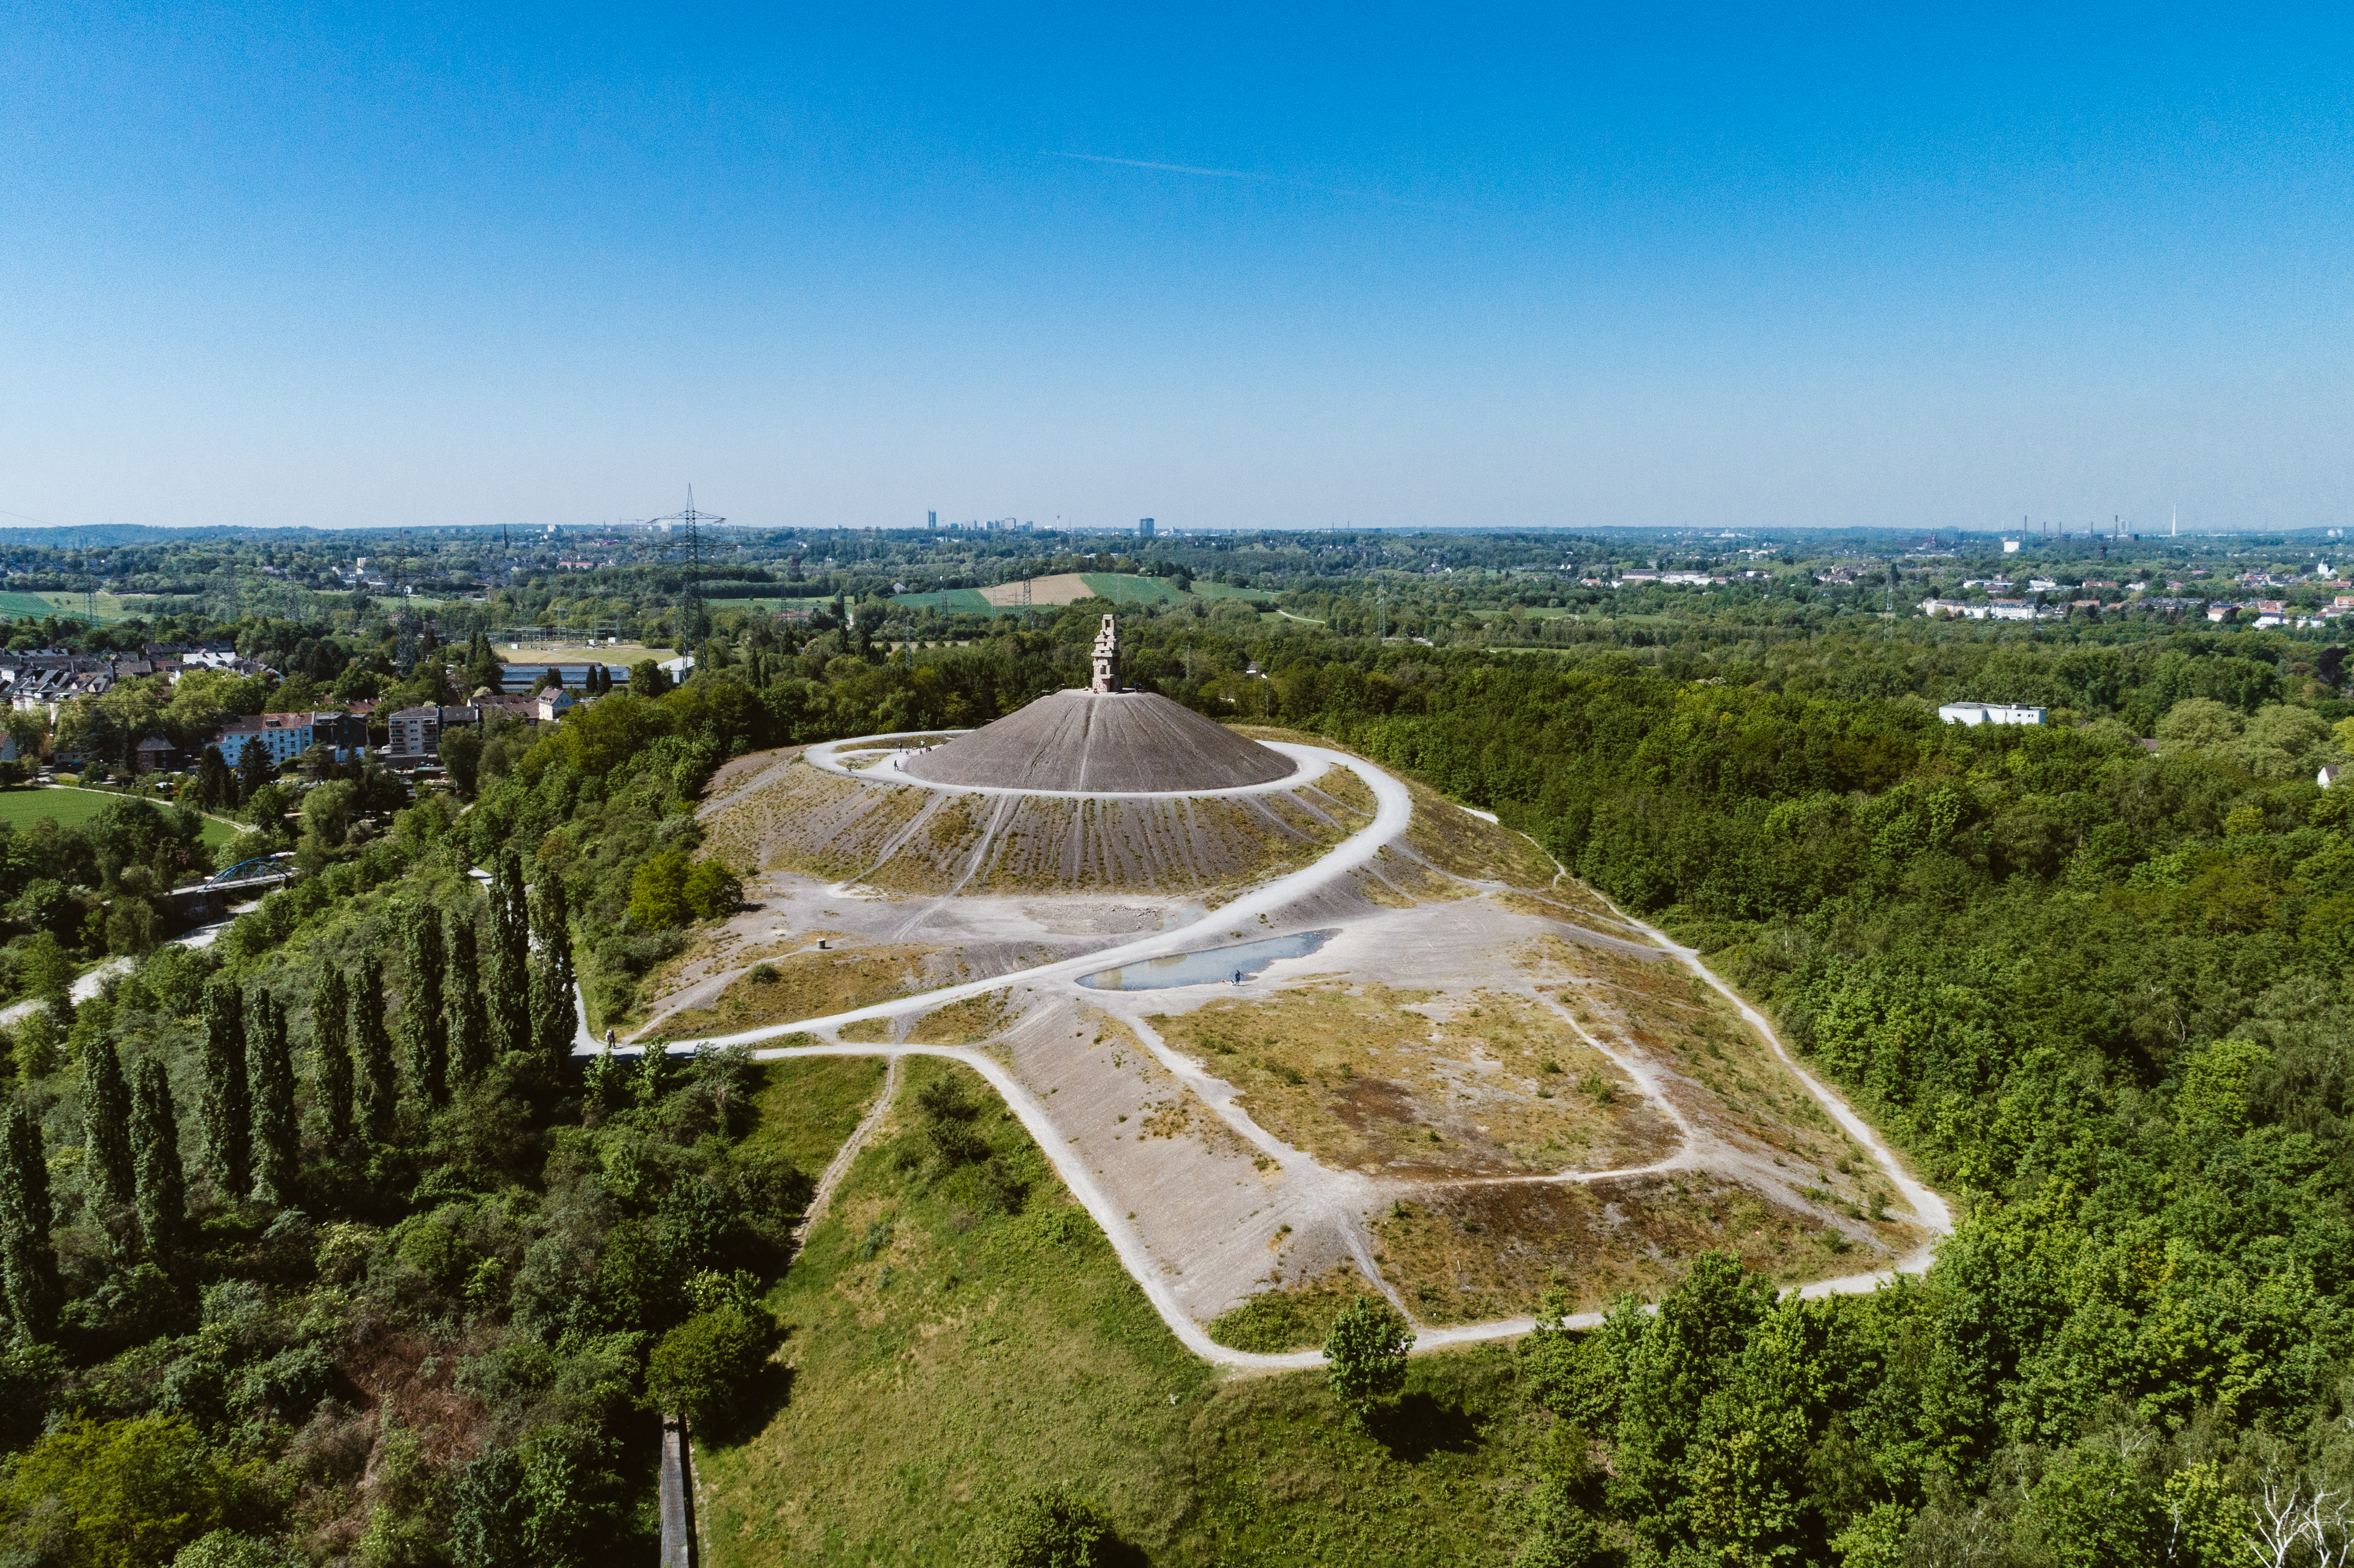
[1739, 266]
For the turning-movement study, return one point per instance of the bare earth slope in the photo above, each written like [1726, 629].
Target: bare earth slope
[1116, 743]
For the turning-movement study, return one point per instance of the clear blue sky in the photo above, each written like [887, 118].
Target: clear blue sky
[1755, 267]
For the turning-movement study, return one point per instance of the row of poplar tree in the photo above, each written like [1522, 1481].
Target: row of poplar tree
[469, 997]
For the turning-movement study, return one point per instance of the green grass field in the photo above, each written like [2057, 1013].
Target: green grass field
[1121, 588]
[948, 601]
[19, 605]
[945, 1357]
[808, 1106]
[21, 807]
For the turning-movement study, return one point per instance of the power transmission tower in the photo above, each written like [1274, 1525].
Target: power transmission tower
[690, 594]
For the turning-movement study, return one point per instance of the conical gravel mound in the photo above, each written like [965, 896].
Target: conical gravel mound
[1107, 743]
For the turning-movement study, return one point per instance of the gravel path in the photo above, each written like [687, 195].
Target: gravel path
[826, 754]
[84, 987]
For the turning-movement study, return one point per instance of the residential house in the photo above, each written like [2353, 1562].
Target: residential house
[157, 755]
[532, 707]
[43, 682]
[285, 736]
[417, 733]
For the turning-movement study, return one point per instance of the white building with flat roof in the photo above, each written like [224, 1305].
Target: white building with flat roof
[1989, 713]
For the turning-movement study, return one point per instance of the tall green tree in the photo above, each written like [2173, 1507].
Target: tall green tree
[1691, 1346]
[1365, 1354]
[482, 666]
[380, 1077]
[225, 1113]
[253, 770]
[277, 1136]
[28, 1256]
[330, 1053]
[508, 990]
[162, 1199]
[468, 1020]
[424, 1031]
[215, 785]
[554, 1020]
[109, 1178]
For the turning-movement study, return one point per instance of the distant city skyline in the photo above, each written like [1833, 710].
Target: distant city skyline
[1720, 268]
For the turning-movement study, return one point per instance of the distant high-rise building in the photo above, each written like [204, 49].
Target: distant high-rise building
[1144, 527]
[932, 521]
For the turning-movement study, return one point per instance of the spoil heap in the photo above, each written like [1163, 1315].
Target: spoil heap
[1107, 743]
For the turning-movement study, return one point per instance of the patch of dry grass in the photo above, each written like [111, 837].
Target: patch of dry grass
[966, 1023]
[1461, 845]
[1590, 908]
[1422, 1083]
[1470, 1253]
[1662, 1011]
[1563, 903]
[807, 985]
[1345, 789]
[810, 821]
[1184, 1114]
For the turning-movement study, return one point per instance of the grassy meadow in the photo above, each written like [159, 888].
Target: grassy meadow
[808, 1105]
[22, 808]
[946, 1355]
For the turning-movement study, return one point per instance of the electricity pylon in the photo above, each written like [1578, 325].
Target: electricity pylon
[690, 596]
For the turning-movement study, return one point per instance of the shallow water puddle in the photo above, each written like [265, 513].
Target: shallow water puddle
[1245, 960]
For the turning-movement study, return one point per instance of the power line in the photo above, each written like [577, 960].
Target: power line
[690, 593]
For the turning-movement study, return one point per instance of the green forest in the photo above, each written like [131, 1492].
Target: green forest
[320, 1243]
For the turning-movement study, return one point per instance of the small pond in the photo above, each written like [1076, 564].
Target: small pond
[1247, 958]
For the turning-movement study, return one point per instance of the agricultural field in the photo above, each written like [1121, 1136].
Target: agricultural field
[1067, 588]
[19, 604]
